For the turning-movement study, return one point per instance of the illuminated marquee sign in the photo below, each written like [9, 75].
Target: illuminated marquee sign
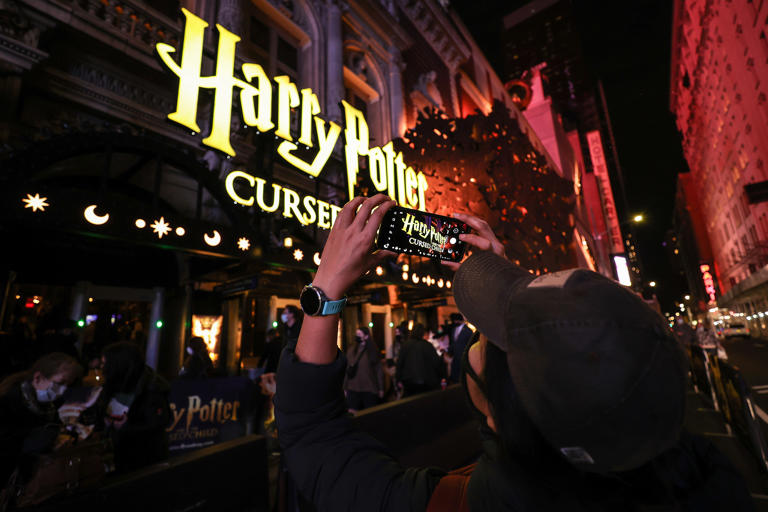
[709, 282]
[604, 182]
[387, 171]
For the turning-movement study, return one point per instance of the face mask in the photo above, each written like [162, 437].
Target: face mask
[53, 392]
[284, 318]
[190, 351]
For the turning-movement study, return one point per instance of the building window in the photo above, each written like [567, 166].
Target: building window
[277, 52]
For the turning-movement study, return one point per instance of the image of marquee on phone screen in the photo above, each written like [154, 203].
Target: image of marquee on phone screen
[424, 234]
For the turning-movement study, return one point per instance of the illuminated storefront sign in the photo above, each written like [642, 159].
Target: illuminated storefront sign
[709, 282]
[307, 210]
[622, 270]
[609, 206]
[387, 171]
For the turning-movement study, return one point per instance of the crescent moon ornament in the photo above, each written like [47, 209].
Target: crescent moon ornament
[90, 216]
[213, 240]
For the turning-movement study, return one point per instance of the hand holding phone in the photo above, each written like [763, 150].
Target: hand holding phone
[415, 232]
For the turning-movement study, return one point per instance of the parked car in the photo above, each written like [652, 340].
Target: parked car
[734, 330]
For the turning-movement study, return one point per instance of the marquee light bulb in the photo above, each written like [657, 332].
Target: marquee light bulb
[316, 258]
[298, 255]
[141, 223]
[415, 279]
[406, 268]
[447, 284]
[180, 231]
[288, 242]
[440, 283]
[405, 276]
[379, 271]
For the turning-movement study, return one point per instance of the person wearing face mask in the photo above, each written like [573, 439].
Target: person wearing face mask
[29, 423]
[578, 386]
[364, 381]
[198, 364]
[291, 318]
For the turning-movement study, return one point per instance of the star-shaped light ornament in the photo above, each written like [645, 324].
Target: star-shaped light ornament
[35, 202]
[298, 255]
[160, 227]
[243, 244]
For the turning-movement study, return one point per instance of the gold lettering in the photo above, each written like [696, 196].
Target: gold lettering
[323, 214]
[387, 170]
[227, 410]
[310, 107]
[326, 142]
[411, 183]
[356, 138]
[229, 183]
[262, 121]
[309, 204]
[177, 415]
[377, 169]
[287, 98]
[400, 173]
[290, 202]
[193, 406]
[334, 213]
[422, 191]
[260, 195]
[234, 410]
[389, 155]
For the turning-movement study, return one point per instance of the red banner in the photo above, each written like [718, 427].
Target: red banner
[604, 182]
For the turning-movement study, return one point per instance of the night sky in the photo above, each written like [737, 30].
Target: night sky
[627, 46]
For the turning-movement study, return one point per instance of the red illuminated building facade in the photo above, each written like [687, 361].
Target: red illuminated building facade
[719, 83]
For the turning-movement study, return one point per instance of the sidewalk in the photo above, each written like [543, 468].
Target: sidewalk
[701, 419]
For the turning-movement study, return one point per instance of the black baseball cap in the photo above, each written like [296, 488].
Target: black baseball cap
[595, 367]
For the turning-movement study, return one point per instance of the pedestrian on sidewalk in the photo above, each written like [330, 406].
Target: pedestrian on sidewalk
[578, 387]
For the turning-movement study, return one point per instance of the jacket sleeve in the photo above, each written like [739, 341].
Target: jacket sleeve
[334, 465]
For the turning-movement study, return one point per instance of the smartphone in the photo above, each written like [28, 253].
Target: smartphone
[424, 234]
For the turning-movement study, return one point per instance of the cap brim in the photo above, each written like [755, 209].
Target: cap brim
[482, 286]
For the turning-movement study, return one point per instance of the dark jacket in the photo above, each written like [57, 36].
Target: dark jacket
[334, 465]
[341, 469]
[196, 366]
[27, 428]
[419, 364]
[271, 355]
[142, 440]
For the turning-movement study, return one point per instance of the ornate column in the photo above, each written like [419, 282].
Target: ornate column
[397, 106]
[334, 90]
[229, 16]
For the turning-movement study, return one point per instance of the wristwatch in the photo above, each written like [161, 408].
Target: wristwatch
[314, 302]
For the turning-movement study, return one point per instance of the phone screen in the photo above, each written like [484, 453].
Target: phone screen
[424, 234]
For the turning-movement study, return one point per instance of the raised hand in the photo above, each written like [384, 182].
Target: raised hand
[484, 239]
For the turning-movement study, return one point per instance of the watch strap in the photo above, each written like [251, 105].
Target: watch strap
[331, 307]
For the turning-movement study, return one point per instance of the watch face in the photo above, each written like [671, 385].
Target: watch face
[310, 301]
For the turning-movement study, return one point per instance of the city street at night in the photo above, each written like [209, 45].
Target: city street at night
[356, 255]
